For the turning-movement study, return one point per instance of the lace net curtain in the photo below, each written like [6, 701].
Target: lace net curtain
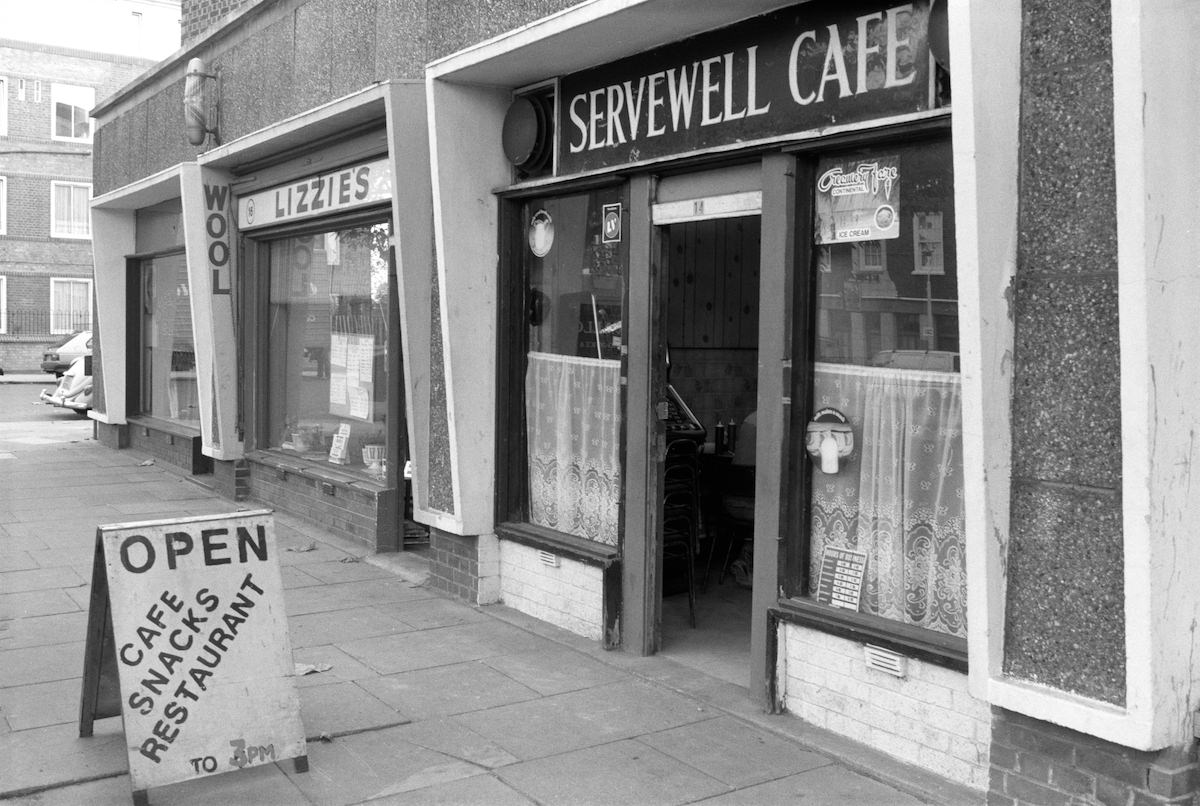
[573, 420]
[899, 497]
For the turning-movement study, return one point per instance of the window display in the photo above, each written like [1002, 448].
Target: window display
[886, 437]
[575, 268]
[168, 359]
[327, 354]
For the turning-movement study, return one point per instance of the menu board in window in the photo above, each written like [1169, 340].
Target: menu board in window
[352, 375]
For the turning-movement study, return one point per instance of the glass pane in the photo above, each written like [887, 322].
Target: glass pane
[575, 259]
[62, 120]
[327, 349]
[168, 359]
[886, 437]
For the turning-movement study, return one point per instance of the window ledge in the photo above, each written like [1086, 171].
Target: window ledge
[308, 468]
[925, 645]
[570, 546]
[165, 426]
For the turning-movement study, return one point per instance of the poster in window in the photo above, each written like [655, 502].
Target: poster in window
[351, 375]
[841, 579]
[858, 200]
[927, 244]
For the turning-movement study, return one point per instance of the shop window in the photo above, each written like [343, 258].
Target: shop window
[330, 310]
[567, 390]
[69, 213]
[168, 354]
[70, 105]
[884, 443]
[70, 305]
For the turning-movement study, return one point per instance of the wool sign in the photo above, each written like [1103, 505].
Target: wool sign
[199, 640]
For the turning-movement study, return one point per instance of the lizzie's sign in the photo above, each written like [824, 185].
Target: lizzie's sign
[798, 69]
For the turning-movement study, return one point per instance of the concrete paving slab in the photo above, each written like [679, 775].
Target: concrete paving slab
[443, 646]
[38, 579]
[343, 708]
[554, 671]
[447, 690]
[340, 626]
[581, 777]
[733, 752]
[36, 603]
[13, 541]
[111, 791]
[336, 597]
[374, 764]
[293, 577]
[579, 719]
[56, 754]
[335, 571]
[74, 556]
[824, 786]
[41, 664]
[478, 790]
[43, 630]
[16, 560]
[454, 739]
[40, 704]
[425, 614]
[342, 667]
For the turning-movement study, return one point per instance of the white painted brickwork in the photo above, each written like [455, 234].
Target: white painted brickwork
[569, 596]
[927, 718]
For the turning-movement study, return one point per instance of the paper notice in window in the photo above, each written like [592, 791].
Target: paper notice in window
[338, 346]
[360, 404]
[841, 580]
[337, 389]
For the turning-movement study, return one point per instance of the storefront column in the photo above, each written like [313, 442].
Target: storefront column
[207, 222]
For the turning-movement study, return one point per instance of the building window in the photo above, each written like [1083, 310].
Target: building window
[167, 357]
[70, 305]
[70, 216]
[3, 304]
[331, 310]
[884, 443]
[20, 89]
[3, 106]
[71, 105]
[3, 205]
[37, 92]
[567, 390]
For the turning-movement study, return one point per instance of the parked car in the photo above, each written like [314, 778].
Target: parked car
[58, 358]
[74, 390]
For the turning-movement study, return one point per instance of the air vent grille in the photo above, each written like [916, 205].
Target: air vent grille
[885, 660]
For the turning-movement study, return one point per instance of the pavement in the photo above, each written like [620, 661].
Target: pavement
[425, 699]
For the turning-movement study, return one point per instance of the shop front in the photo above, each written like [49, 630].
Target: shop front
[256, 317]
[728, 385]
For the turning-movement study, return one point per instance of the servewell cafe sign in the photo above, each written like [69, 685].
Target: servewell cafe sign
[802, 68]
[198, 647]
[336, 191]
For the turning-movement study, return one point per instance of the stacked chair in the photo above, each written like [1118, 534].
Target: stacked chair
[681, 511]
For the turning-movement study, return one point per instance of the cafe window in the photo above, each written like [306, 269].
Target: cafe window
[168, 353]
[329, 312]
[566, 392]
[884, 442]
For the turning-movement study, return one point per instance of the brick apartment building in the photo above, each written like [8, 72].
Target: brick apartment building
[46, 96]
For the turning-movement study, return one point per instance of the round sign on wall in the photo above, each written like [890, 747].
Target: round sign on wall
[541, 233]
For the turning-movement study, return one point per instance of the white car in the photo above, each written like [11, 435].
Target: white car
[74, 390]
[57, 358]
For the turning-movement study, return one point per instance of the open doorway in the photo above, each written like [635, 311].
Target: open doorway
[709, 328]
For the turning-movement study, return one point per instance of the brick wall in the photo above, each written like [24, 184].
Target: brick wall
[178, 451]
[1035, 762]
[927, 718]
[361, 512]
[454, 564]
[200, 15]
[570, 595]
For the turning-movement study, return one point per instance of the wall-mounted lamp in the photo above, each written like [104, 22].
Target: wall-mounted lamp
[201, 113]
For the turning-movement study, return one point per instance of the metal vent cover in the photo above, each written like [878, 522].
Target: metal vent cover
[885, 660]
[548, 559]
